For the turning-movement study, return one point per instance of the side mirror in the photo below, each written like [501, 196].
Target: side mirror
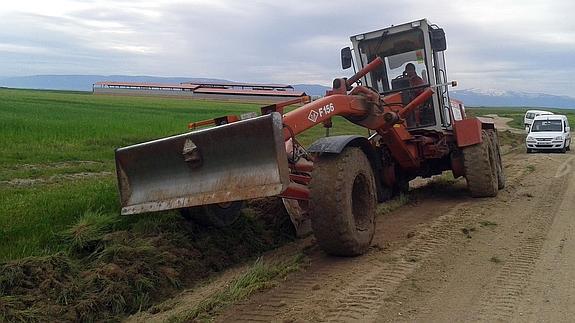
[345, 58]
[438, 42]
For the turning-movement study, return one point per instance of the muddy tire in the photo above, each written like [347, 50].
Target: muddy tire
[480, 168]
[343, 202]
[214, 215]
[496, 151]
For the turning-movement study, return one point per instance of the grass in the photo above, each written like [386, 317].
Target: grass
[90, 229]
[40, 127]
[487, 223]
[516, 114]
[511, 139]
[116, 266]
[393, 204]
[495, 260]
[259, 276]
[66, 251]
[32, 218]
[48, 137]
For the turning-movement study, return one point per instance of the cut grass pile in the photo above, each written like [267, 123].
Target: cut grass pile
[259, 276]
[117, 266]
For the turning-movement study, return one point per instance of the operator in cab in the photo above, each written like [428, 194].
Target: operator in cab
[414, 79]
[424, 114]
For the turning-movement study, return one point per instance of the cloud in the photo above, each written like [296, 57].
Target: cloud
[510, 45]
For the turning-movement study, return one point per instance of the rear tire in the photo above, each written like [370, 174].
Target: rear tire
[480, 168]
[214, 215]
[498, 160]
[343, 202]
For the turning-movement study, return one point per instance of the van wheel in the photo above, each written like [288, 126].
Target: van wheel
[529, 151]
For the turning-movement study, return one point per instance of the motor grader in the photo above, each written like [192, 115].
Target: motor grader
[414, 129]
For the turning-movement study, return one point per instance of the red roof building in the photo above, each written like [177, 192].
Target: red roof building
[247, 92]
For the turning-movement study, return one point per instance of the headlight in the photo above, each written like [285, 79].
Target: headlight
[558, 138]
[529, 138]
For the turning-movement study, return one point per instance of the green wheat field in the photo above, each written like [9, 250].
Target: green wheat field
[57, 156]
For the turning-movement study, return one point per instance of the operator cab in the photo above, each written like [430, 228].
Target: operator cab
[414, 60]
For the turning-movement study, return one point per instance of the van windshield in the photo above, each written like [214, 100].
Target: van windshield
[547, 125]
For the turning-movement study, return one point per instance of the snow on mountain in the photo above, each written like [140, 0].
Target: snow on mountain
[502, 98]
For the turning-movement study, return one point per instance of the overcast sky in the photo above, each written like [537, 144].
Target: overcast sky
[524, 45]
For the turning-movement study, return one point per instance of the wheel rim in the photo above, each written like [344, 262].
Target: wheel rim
[360, 203]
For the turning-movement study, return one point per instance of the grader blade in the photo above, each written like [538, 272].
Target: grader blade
[237, 161]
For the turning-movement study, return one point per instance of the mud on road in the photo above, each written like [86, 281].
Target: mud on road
[443, 257]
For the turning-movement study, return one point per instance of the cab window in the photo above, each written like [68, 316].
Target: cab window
[397, 51]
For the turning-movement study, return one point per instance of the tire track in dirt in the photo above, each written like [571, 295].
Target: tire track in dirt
[503, 295]
[463, 283]
[362, 301]
[550, 294]
[373, 275]
[353, 289]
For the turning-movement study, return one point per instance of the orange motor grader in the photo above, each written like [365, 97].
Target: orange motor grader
[400, 94]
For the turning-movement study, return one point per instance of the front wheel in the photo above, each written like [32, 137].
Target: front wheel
[343, 202]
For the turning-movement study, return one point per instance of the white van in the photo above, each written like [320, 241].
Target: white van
[549, 132]
[530, 115]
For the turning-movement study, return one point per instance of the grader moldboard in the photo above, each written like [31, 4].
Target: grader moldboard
[336, 183]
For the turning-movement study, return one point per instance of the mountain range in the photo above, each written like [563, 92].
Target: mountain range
[471, 97]
[501, 98]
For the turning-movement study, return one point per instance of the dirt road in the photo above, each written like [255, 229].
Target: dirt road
[449, 258]
[444, 257]
[502, 124]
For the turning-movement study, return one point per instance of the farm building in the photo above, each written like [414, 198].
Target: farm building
[250, 92]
